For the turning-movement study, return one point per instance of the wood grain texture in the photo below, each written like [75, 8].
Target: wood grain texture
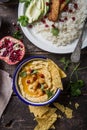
[17, 116]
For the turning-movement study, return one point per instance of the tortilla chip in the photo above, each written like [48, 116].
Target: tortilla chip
[76, 105]
[56, 77]
[62, 74]
[48, 113]
[37, 127]
[60, 107]
[46, 123]
[45, 116]
[68, 112]
[39, 111]
[52, 127]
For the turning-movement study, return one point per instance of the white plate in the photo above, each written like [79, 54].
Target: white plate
[43, 44]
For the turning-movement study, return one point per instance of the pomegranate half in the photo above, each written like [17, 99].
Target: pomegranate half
[11, 50]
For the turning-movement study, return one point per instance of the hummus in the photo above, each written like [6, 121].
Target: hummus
[39, 80]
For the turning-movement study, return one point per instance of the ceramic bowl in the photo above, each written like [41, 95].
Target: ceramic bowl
[16, 87]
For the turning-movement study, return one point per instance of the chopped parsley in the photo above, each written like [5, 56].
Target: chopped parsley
[23, 74]
[55, 31]
[42, 87]
[66, 62]
[67, 1]
[34, 72]
[49, 93]
[23, 20]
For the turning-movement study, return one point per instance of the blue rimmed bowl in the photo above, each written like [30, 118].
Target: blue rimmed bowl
[17, 89]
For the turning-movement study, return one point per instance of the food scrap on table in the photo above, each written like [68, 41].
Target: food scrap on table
[66, 110]
[76, 105]
[46, 116]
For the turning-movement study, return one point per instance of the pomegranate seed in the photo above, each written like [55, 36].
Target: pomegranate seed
[28, 81]
[61, 1]
[15, 55]
[46, 26]
[73, 18]
[61, 20]
[4, 45]
[34, 78]
[5, 53]
[75, 6]
[45, 16]
[31, 70]
[17, 28]
[7, 41]
[30, 26]
[70, 11]
[66, 8]
[47, 3]
[14, 24]
[21, 41]
[53, 25]
[20, 46]
[65, 19]
[10, 48]
[41, 75]
[43, 21]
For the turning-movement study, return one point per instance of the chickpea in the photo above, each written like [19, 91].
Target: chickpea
[45, 85]
[41, 80]
[35, 85]
[34, 77]
[40, 92]
[31, 79]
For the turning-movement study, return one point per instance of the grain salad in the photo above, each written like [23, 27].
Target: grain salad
[69, 24]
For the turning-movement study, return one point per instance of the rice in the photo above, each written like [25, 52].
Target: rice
[69, 29]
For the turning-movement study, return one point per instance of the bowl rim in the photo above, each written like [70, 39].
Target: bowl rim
[15, 88]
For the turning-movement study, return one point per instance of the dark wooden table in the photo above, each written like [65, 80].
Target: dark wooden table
[16, 116]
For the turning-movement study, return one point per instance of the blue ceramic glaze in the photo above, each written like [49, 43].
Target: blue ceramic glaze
[17, 91]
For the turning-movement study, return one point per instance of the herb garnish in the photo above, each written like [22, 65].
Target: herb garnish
[42, 87]
[27, 2]
[55, 31]
[23, 74]
[66, 62]
[75, 87]
[23, 20]
[75, 84]
[49, 93]
[67, 1]
[18, 35]
[34, 72]
[23, 1]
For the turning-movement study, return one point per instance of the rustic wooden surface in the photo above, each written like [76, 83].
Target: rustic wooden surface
[16, 116]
